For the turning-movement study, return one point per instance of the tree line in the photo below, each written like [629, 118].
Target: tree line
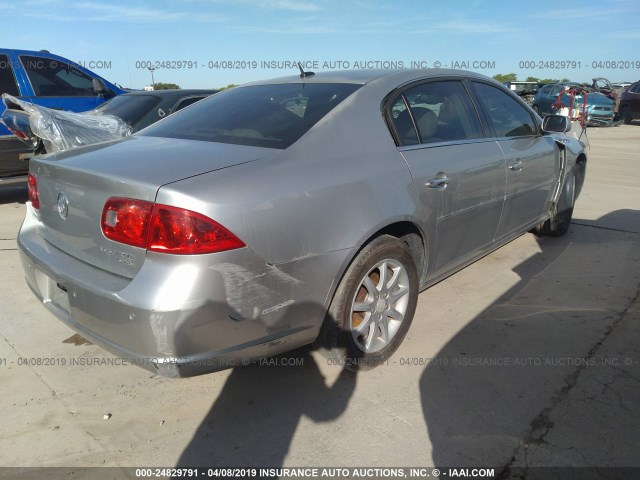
[512, 77]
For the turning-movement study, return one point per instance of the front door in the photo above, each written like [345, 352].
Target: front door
[532, 160]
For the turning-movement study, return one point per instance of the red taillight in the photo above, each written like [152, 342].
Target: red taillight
[175, 230]
[162, 228]
[32, 186]
[127, 221]
[18, 134]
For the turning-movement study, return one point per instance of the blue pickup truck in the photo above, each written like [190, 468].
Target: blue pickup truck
[48, 80]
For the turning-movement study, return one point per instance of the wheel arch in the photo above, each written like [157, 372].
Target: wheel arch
[414, 237]
[407, 231]
[580, 172]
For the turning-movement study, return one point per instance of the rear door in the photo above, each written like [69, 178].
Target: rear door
[459, 175]
[532, 160]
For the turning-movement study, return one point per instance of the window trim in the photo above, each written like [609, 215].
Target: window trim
[9, 64]
[388, 101]
[392, 125]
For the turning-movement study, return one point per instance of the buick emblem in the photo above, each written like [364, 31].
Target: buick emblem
[63, 205]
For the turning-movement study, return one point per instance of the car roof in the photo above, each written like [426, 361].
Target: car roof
[363, 77]
[20, 52]
[173, 92]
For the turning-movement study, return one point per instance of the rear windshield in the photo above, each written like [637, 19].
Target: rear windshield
[272, 116]
[130, 108]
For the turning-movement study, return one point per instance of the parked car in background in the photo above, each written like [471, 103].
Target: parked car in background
[141, 109]
[51, 130]
[525, 90]
[608, 89]
[630, 104]
[249, 224]
[599, 108]
[48, 80]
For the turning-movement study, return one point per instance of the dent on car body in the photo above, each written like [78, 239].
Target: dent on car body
[252, 294]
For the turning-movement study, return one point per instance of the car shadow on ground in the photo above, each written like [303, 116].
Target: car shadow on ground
[254, 418]
[489, 395]
[14, 193]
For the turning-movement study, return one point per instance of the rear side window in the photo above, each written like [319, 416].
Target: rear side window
[508, 117]
[272, 116]
[7, 80]
[51, 78]
[130, 108]
[438, 112]
[185, 102]
[556, 89]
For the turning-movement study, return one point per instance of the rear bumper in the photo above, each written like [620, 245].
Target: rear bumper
[13, 169]
[183, 315]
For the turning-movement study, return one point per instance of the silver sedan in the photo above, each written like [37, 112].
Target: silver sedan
[286, 212]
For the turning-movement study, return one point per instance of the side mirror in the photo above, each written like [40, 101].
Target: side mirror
[556, 124]
[100, 89]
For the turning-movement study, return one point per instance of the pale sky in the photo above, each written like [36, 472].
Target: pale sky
[236, 41]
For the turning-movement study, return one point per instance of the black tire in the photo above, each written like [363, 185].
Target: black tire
[625, 114]
[558, 224]
[339, 336]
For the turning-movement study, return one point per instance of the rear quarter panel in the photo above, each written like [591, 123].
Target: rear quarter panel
[329, 192]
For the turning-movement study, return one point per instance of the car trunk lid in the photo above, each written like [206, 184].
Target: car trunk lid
[73, 187]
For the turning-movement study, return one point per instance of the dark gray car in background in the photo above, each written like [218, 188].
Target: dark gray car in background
[289, 211]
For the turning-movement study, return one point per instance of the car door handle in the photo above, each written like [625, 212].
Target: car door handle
[438, 182]
[516, 167]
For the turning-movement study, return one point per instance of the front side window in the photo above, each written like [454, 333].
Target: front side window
[272, 116]
[438, 112]
[52, 78]
[7, 80]
[508, 117]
